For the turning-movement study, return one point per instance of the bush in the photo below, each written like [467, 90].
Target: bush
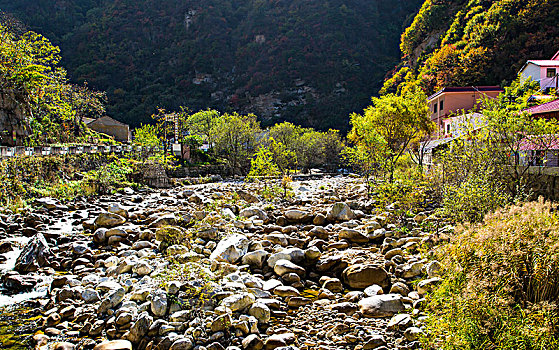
[499, 285]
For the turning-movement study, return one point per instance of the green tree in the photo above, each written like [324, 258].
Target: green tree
[203, 123]
[235, 139]
[263, 165]
[387, 128]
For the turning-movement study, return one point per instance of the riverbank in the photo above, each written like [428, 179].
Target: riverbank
[227, 265]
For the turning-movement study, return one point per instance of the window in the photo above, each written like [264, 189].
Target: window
[551, 72]
[448, 129]
[434, 107]
[442, 105]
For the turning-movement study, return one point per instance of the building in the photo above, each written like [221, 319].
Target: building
[549, 110]
[452, 101]
[544, 72]
[111, 127]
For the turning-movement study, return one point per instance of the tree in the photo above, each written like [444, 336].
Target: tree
[388, 127]
[202, 123]
[235, 139]
[263, 165]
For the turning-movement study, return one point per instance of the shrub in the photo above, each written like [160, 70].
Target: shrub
[499, 285]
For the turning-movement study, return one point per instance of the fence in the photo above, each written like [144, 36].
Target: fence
[7, 152]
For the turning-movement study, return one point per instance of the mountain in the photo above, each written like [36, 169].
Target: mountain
[475, 42]
[306, 61]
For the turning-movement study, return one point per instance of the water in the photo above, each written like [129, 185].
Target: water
[18, 323]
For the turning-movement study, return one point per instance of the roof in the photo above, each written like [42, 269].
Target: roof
[432, 144]
[552, 106]
[458, 89]
[539, 142]
[88, 120]
[543, 63]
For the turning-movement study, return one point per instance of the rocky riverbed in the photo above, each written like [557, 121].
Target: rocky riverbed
[215, 266]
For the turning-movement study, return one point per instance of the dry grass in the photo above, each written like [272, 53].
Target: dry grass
[501, 284]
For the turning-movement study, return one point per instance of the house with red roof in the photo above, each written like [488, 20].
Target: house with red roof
[549, 110]
[545, 72]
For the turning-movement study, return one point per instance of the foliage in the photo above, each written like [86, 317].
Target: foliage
[498, 290]
[202, 123]
[146, 136]
[235, 138]
[486, 167]
[263, 165]
[43, 106]
[224, 55]
[387, 128]
[479, 42]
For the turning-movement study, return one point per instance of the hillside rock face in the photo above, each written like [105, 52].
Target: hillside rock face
[12, 118]
[305, 61]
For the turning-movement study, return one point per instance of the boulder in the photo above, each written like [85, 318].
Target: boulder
[140, 328]
[284, 266]
[361, 276]
[34, 255]
[340, 212]
[296, 215]
[354, 236]
[20, 283]
[239, 301]
[384, 305]
[231, 248]
[253, 211]
[114, 345]
[255, 258]
[109, 220]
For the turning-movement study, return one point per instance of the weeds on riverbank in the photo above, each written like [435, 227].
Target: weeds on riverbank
[62, 177]
[499, 289]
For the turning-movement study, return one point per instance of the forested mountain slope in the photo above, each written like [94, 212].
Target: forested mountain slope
[310, 62]
[476, 42]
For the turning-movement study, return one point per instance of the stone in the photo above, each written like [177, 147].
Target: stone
[142, 268]
[399, 321]
[283, 267]
[239, 301]
[34, 255]
[412, 270]
[169, 234]
[374, 342]
[383, 305]
[373, 290]
[182, 344]
[140, 328]
[354, 236]
[412, 333]
[340, 212]
[345, 308]
[253, 342]
[116, 208]
[279, 340]
[100, 235]
[313, 254]
[255, 258]
[427, 285]
[260, 311]
[231, 249]
[286, 291]
[159, 303]
[319, 220]
[112, 299]
[62, 346]
[221, 323]
[20, 283]
[90, 295]
[109, 220]
[334, 285]
[361, 276]
[249, 197]
[296, 215]
[253, 211]
[114, 345]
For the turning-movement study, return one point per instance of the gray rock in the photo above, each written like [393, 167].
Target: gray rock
[381, 305]
[231, 248]
[296, 215]
[159, 303]
[112, 299]
[239, 301]
[109, 220]
[361, 276]
[255, 258]
[34, 255]
[182, 344]
[340, 212]
[354, 236]
[142, 268]
[283, 267]
[140, 328]
[90, 295]
[253, 211]
[260, 311]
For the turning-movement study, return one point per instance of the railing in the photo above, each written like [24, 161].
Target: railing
[8, 152]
